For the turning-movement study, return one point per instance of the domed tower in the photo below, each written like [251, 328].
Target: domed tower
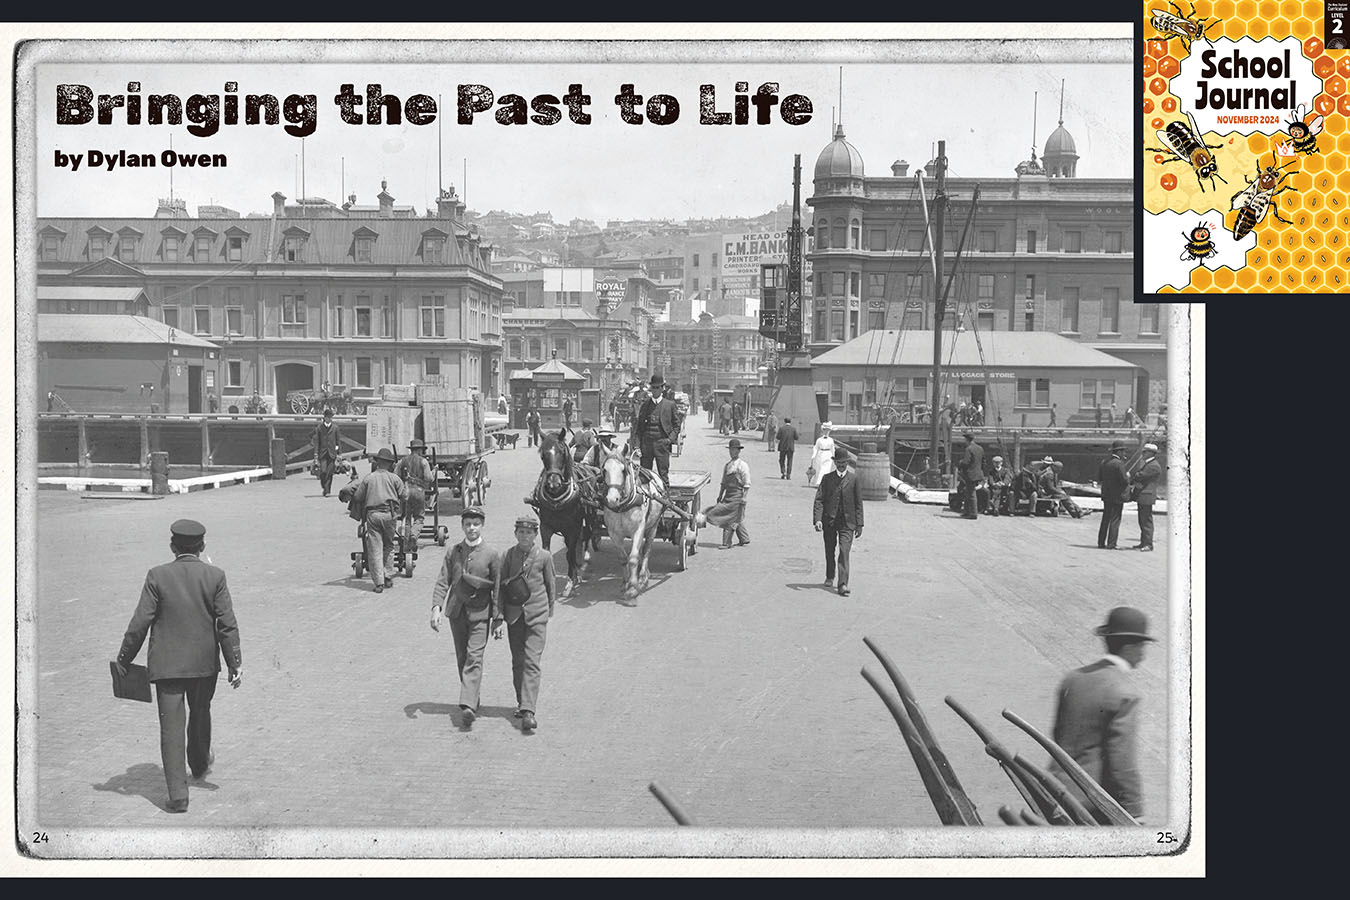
[839, 168]
[1061, 156]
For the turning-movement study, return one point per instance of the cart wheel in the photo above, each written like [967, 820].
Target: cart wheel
[300, 405]
[683, 540]
[484, 479]
[359, 564]
[442, 535]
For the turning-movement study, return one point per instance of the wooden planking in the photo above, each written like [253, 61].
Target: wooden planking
[432, 393]
[449, 426]
[398, 393]
[392, 426]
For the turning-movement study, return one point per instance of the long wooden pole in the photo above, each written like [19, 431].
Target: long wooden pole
[939, 208]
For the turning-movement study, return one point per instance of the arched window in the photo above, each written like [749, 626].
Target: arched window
[823, 234]
[838, 238]
[855, 235]
[536, 348]
[515, 348]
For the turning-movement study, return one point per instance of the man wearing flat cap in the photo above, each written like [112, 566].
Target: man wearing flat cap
[327, 443]
[527, 589]
[1144, 484]
[185, 606]
[838, 513]
[1000, 489]
[1115, 491]
[1096, 711]
[381, 496]
[467, 590]
[415, 473]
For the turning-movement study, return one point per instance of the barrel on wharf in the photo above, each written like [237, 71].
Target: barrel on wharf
[874, 473]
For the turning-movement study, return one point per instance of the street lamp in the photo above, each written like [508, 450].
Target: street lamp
[693, 371]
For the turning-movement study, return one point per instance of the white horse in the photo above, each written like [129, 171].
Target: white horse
[630, 512]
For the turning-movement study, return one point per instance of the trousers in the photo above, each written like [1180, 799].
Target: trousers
[657, 450]
[527, 650]
[172, 695]
[843, 538]
[1109, 530]
[969, 505]
[381, 533]
[785, 462]
[470, 642]
[741, 533]
[327, 464]
[534, 436]
[1146, 523]
[1000, 497]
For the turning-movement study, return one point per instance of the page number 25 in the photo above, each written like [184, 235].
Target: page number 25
[1166, 837]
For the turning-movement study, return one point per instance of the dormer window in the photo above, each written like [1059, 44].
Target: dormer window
[364, 247]
[202, 247]
[50, 247]
[171, 248]
[291, 250]
[126, 247]
[98, 246]
[433, 250]
[236, 251]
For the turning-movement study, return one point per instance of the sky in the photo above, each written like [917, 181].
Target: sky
[607, 169]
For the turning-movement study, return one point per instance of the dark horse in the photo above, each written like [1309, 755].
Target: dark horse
[558, 498]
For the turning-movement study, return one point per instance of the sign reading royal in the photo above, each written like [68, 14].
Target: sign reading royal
[1247, 86]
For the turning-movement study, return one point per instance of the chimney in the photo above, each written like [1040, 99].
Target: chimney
[899, 168]
[931, 168]
[386, 201]
[448, 206]
[279, 205]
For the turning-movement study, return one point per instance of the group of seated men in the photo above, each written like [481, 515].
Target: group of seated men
[1005, 492]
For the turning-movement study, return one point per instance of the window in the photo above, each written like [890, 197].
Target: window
[536, 348]
[713, 262]
[170, 248]
[899, 391]
[364, 246]
[1031, 241]
[695, 283]
[855, 234]
[1068, 315]
[837, 284]
[515, 347]
[234, 320]
[852, 323]
[869, 391]
[914, 240]
[1115, 241]
[1103, 395]
[913, 286]
[919, 391]
[876, 285]
[201, 247]
[820, 324]
[1033, 392]
[837, 325]
[433, 316]
[1073, 242]
[823, 234]
[913, 320]
[1148, 318]
[290, 251]
[338, 370]
[560, 345]
[876, 319]
[1089, 397]
[51, 246]
[293, 309]
[432, 365]
[98, 246]
[386, 318]
[201, 320]
[1031, 287]
[433, 251]
[984, 320]
[126, 247]
[696, 265]
[836, 391]
[1110, 310]
[170, 316]
[234, 373]
[236, 249]
[363, 317]
[876, 239]
[339, 318]
[984, 287]
[363, 371]
[854, 284]
[1029, 320]
[837, 236]
[712, 283]
[587, 349]
[988, 241]
[388, 370]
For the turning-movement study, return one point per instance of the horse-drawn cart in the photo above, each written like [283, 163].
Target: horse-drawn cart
[337, 397]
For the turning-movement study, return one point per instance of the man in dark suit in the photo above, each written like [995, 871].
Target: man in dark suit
[787, 445]
[326, 445]
[185, 606]
[1115, 491]
[657, 433]
[1146, 480]
[972, 476]
[838, 512]
[1096, 719]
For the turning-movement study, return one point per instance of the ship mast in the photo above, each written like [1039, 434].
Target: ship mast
[939, 302]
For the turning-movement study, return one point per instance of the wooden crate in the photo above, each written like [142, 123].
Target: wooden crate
[391, 425]
[431, 393]
[453, 427]
[398, 393]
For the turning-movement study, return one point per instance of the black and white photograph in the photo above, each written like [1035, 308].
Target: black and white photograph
[388, 412]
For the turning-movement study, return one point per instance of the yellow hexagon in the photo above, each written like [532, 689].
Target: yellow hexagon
[1312, 202]
[1234, 29]
[1279, 27]
[1312, 164]
[1336, 277]
[1245, 9]
[1342, 143]
[1312, 238]
[1335, 163]
[1257, 29]
[1246, 278]
[1224, 278]
[1323, 259]
[1312, 279]
[1258, 143]
[1256, 257]
[1269, 280]
[1224, 9]
[1303, 28]
[1201, 277]
[1314, 9]
[1267, 9]
[1290, 279]
[1302, 258]
[1290, 8]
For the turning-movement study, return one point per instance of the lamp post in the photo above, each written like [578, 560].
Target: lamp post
[693, 371]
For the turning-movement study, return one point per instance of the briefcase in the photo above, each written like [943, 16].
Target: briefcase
[135, 685]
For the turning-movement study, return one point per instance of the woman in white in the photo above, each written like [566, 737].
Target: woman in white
[822, 455]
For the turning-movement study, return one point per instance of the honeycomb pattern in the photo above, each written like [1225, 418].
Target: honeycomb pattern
[1310, 253]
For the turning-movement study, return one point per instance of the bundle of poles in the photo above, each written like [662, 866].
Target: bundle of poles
[1048, 800]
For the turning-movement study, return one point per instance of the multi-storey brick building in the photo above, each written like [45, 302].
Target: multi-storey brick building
[312, 293]
[1046, 251]
[715, 351]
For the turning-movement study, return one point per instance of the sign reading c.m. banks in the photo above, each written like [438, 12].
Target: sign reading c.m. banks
[742, 255]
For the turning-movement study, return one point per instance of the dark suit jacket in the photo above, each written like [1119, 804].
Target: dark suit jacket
[787, 437]
[477, 594]
[185, 606]
[1147, 477]
[664, 418]
[838, 500]
[326, 440]
[972, 462]
[1115, 485]
[1096, 723]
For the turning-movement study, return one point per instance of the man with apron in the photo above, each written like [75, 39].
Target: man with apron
[729, 511]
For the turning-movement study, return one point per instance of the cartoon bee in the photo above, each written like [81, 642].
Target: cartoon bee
[1198, 243]
[1258, 197]
[1186, 27]
[1303, 134]
[1185, 144]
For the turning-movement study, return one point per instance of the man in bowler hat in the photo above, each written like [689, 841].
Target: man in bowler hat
[1115, 491]
[327, 441]
[787, 445]
[838, 514]
[467, 590]
[1145, 483]
[185, 606]
[972, 476]
[382, 496]
[1096, 710]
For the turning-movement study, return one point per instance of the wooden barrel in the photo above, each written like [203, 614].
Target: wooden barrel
[874, 476]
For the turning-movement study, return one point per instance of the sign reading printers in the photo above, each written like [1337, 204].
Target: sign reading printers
[1247, 86]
